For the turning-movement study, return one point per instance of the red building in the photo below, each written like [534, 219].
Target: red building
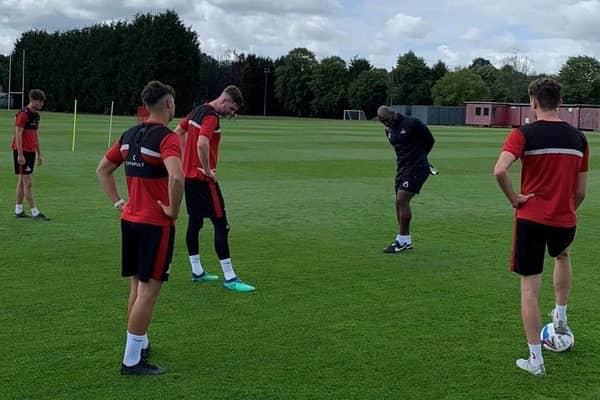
[589, 117]
[570, 114]
[517, 114]
[485, 113]
[514, 115]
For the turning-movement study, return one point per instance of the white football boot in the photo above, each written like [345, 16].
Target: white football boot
[526, 365]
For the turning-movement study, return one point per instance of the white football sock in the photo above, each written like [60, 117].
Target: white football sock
[34, 211]
[403, 239]
[18, 208]
[561, 312]
[535, 354]
[196, 265]
[227, 269]
[145, 342]
[133, 349]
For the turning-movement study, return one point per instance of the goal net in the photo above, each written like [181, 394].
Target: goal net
[358, 115]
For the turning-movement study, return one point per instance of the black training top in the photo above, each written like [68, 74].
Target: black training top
[412, 141]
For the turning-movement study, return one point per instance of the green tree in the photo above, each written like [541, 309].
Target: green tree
[328, 85]
[580, 77]
[3, 73]
[356, 66]
[457, 87]
[411, 80]
[438, 71]
[292, 81]
[512, 85]
[107, 62]
[368, 91]
[479, 62]
[513, 79]
[253, 75]
[490, 76]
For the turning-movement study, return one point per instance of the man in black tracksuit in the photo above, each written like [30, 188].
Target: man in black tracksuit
[412, 141]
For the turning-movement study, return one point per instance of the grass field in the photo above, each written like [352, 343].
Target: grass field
[310, 203]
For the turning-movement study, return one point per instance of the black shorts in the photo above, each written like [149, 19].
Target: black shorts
[204, 199]
[411, 180]
[529, 245]
[146, 250]
[27, 168]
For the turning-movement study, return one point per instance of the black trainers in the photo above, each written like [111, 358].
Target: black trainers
[145, 353]
[142, 368]
[22, 215]
[396, 247]
[40, 217]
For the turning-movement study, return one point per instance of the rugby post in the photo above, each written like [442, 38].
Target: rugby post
[74, 125]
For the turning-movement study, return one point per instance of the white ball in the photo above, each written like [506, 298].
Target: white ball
[555, 341]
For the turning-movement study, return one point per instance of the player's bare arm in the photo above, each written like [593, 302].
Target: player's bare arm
[180, 131]
[581, 189]
[503, 164]
[105, 174]
[204, 156]
[176, 187]
[19, 144]
[38, 149]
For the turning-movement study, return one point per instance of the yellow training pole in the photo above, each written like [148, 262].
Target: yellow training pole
[112, 107]
[74, 125]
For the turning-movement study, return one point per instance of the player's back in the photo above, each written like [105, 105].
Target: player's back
[554, 154]
[143, 149]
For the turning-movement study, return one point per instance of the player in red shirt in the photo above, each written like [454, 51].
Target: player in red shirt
[203, 197]
[152, 157]
[555, 158]
[25, 145]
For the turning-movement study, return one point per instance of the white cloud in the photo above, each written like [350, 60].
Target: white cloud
[447, 55]
[456, 31]
[402, 26]
[471, 34]
[313, 28]
[278, 7]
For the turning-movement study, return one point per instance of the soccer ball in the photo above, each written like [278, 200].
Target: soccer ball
[555, 341]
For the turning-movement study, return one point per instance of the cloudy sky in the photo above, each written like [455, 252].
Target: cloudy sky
[454, 31]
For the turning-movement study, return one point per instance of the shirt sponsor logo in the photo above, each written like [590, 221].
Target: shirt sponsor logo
[134, 162]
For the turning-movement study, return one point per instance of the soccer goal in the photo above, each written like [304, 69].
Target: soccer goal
[358, 115]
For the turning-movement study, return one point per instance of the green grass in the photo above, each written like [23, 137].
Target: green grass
[310, 204]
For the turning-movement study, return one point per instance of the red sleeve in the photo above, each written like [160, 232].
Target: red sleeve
[114, 154]
[21, 119]
[209, 124]
[185, 123]
[170, 147]
[586, 160]
[515, 143]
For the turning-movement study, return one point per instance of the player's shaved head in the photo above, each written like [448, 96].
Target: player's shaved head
[385, 115]
[385, 112]
[155, 93]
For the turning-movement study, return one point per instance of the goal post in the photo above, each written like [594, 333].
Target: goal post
[355, 115]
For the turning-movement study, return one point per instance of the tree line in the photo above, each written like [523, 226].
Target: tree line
[112, 62]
